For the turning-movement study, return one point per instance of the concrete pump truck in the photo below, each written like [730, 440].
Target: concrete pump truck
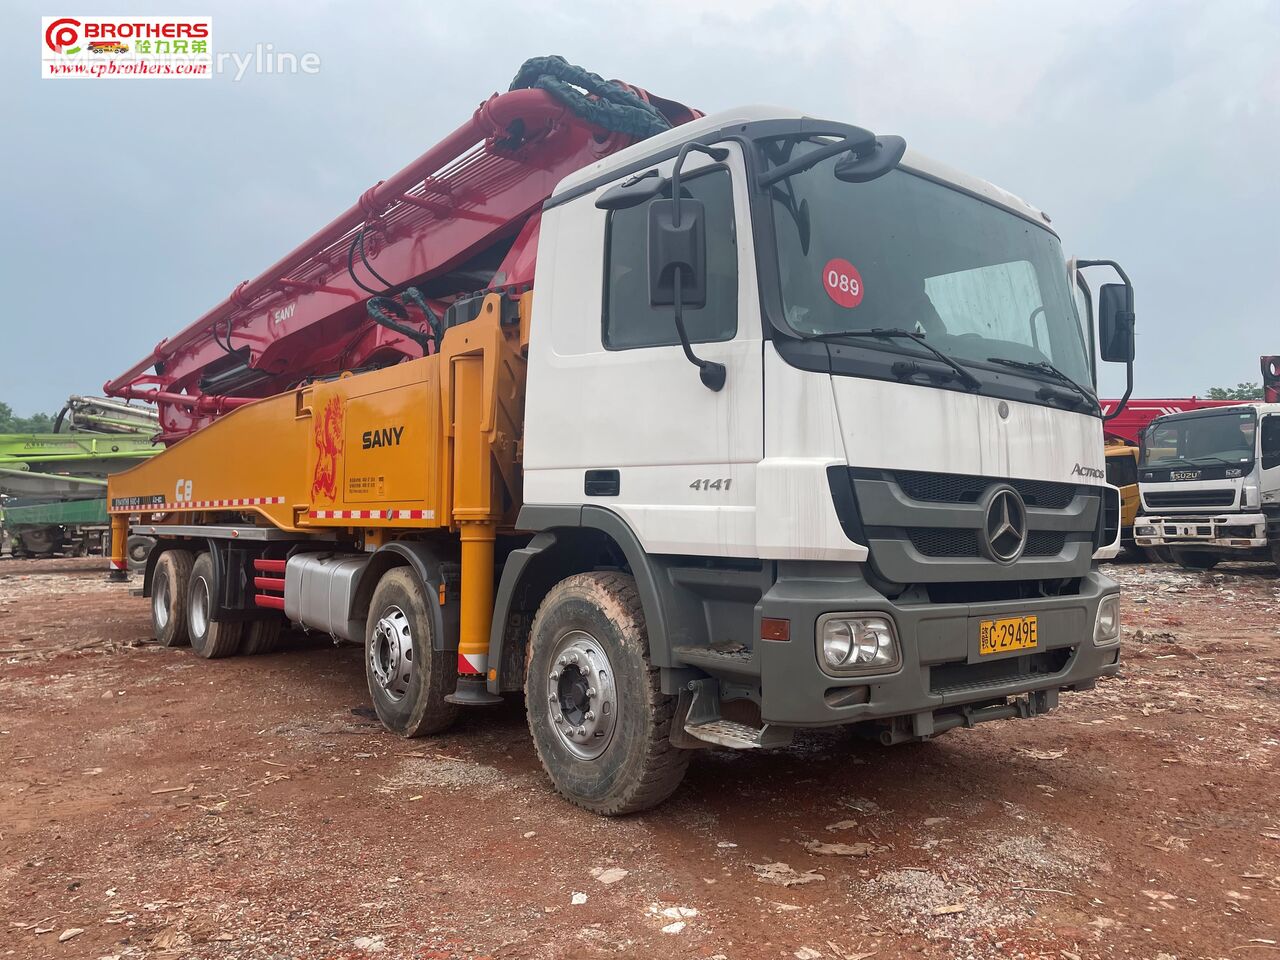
[695, 430]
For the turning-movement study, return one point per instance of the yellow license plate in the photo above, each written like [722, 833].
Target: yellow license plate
[1001, 636]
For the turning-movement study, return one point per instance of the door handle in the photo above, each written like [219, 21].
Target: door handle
[602, 483]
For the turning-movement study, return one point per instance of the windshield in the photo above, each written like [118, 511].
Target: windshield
[903, 252]
[1226, 436]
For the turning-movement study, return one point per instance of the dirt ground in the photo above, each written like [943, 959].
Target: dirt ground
[165, 806]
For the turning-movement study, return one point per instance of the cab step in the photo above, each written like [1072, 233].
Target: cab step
[700, 710]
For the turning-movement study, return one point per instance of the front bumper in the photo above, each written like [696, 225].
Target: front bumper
[942, 681]
[1228, 531]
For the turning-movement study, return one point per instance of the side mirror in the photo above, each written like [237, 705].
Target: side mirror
[678, 259]
[1115, 323]
[678, 253]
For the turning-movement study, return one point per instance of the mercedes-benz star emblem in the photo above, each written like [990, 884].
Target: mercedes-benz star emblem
[1006, 525]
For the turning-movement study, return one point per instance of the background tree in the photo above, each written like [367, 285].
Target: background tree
[1241, 391]
[9, 423]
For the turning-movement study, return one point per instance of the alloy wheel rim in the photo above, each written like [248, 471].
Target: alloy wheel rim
[582, 695]
[391, 654]
[160, 601]
[200, 607]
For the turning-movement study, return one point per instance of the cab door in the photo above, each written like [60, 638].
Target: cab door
[1269, 448]
[616, 414]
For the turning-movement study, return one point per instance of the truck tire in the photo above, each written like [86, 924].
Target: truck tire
[41, 541]
[137, 549]
[169, 585]
[261, 636]
[602, 733]
[408, 677]
[1194, 560]
[211, 639]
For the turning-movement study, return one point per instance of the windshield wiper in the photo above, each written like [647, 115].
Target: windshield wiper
[963, 375]
[1044, 366]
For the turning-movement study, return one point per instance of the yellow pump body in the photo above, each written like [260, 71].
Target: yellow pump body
[427, 445]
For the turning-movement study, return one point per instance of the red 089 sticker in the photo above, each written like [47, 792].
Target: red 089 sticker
[842, 282]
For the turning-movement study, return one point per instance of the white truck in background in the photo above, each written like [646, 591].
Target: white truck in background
[1210, 485]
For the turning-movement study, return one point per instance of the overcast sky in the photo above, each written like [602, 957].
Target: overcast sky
[1150, 132]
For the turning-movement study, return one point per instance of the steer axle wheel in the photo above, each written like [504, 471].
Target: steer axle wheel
[210, 638]
[600, 722]
[408, 677]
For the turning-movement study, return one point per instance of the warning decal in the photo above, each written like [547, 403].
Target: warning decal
[843, 283]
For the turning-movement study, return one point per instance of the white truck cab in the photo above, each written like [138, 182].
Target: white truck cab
[1210, 485]
[885, 502]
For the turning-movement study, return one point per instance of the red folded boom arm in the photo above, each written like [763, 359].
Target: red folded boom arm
[462, 218]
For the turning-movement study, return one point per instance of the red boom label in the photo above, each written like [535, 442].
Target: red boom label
[843, 282]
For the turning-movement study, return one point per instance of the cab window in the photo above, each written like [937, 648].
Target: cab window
[629, 320]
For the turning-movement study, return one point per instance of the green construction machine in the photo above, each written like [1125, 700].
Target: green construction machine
[53, 485]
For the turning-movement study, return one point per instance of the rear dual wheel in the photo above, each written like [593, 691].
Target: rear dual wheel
[181, 605]
[211, 639]
[262, 636]
[169, 585]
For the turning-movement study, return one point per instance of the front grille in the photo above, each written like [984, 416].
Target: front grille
[944, 541]
[944, 488]
[923, 527]
[1045, 543]
[950, 542]
[958, 676]
[1191, 498]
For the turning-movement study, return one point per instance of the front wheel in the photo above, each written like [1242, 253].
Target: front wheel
[408, 677]
[600, 721]
[1194, 560]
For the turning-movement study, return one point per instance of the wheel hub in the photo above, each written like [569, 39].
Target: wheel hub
[200, 605]
[391, 654]
[160, 602]
[582, 696]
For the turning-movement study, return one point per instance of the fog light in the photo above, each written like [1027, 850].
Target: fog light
[1107, 627]
[857, 643]
[1144, 531]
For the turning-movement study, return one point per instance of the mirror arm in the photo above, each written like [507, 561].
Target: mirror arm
[1128, 318]
[1128, 391]
[712, 374]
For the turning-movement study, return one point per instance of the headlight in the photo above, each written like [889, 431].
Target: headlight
[1107, 627]
[1144, 531]
[857, 643]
